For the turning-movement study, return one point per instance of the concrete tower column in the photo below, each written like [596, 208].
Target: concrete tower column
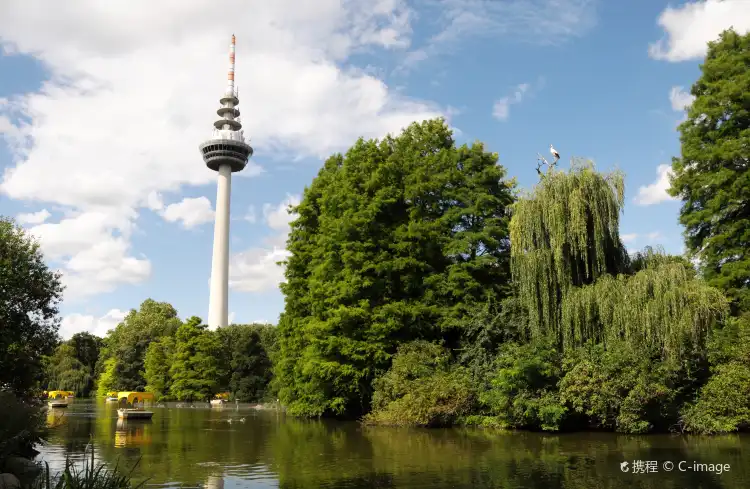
[226, 152]
[218, 306]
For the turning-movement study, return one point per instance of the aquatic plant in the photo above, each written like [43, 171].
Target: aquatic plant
[91, 475]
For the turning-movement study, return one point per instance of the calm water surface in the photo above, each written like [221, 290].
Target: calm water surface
[199, 447]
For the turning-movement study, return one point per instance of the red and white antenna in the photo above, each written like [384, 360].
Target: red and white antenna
[230, 75]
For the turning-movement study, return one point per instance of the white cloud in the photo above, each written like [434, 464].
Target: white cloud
[231, 317]
[689, 27]
[277, 216]
[501, 108]
[33, 217]
[256, 269]
[629, 238]
[192, 212]
[154, 201]
[94, 250]
[77, 323]
[656, 192]
[538, 21]
[133, 90]
[680, 99]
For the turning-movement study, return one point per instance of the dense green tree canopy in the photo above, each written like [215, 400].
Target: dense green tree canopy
[29, 296]
[157, 364]
[246, 357]
[196, 367]
[73, 366]
[128, 342]
[662, 307]
[66, 372]
[396, 240]
[712, 175]
[86, 347]
[565, 233]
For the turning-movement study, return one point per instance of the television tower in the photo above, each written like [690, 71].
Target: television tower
[226, 152]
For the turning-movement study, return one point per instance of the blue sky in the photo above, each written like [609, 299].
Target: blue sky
[102, 111]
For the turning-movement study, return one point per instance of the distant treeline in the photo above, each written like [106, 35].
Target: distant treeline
[153, 350]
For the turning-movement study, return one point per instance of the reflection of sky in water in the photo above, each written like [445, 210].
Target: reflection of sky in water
[206, 447]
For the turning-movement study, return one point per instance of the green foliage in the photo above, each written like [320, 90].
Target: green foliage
[66, 372]
[620, 388]
[565, 234]
[20, 427]
[128, 342]
[662, 306]
[107, 381]
[195, 370]
[731, 342]
[421, 388]
[73, 365]
[483, 331]
[523, 391]
[724, 402]
[157, 363]
[87, 348]
[712, 175]
[395, 241]
[247, 355]
[29, 296]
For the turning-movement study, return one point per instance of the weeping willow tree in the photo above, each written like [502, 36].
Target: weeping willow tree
[565, 234]
[577, 282]
[662, 307]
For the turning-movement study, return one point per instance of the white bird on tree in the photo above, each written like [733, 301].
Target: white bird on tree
[554, 152]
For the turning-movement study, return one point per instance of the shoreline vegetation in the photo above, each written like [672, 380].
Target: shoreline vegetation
[423, 288]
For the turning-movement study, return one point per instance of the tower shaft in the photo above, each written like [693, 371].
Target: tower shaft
[218, 306]
[226, 152]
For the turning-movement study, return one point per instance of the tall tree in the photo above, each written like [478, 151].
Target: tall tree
[394, 241]
[247, 359]
[578, 283]
[196, 368]
[67, 372]
[86, 347]
[157, 364]
[565, 234]
[106, 381]
[29, 296]
[128, 342]
[712, 175]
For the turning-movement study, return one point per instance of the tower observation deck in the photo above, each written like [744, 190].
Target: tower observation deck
[227, 144]
[226, 152]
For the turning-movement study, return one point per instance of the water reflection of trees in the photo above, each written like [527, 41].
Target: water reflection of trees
[198, 446]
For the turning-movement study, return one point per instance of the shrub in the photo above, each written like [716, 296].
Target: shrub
[617, 388]
[524, 392]
[421, 388]
[723, 404]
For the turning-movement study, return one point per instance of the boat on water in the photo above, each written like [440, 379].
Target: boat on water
[220, 399]
[133, 405]
[112, 397]
[59, 399]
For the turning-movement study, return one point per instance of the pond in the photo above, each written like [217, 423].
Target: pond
[214, 447]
